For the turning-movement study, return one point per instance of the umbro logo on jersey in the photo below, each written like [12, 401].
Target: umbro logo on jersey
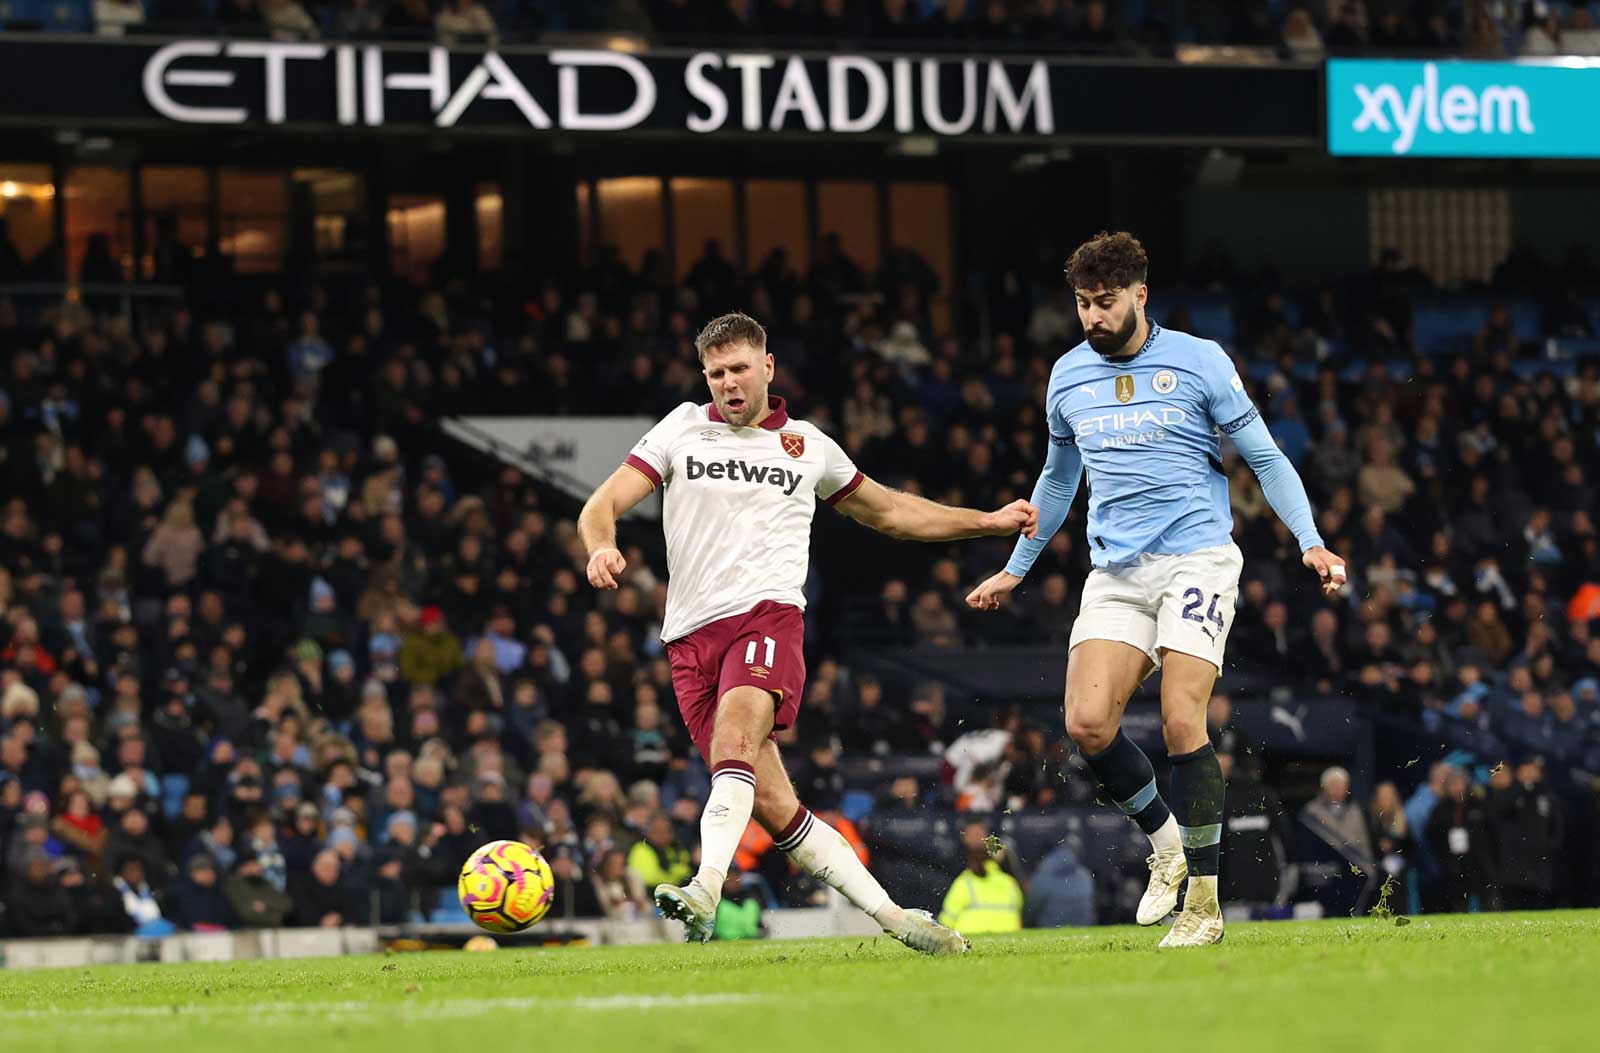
[736, 470]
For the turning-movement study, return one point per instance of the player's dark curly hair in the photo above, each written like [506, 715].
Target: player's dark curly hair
[1108, 261]
[730, 329]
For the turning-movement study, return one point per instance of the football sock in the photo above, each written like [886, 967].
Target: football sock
[1202, 892]
[1197, 792]
[722, 823]
[1125, 775]
[822, 851]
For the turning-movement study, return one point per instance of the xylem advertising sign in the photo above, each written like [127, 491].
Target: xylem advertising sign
[1380, 108]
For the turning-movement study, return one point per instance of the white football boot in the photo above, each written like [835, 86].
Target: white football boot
[1200, 923]
[1168, 871]
[692, 905]
[924, 933]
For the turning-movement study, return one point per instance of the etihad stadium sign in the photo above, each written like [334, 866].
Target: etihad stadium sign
[704, 93]
[845, 94]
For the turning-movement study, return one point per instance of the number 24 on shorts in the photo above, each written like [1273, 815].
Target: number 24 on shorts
[772, 651]
[1194, 598]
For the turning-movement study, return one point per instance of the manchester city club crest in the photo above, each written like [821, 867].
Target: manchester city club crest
[1125, 388]
[794, 444]
[1165, 382]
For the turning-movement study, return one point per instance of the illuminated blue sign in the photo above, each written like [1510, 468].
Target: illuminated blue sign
[1381, 108]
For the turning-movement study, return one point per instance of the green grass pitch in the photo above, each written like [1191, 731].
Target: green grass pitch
[1481, 982]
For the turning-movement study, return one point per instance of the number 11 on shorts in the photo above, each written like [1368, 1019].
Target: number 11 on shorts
[772, 651]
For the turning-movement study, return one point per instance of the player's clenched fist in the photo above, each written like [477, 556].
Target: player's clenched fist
[1330, 568]
[987, 597]
[605, 567]
[1019, 517]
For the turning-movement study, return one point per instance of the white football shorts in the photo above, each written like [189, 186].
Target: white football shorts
[1179, 602]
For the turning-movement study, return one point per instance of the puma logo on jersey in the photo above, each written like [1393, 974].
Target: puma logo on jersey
[1092, 390]
[735, 470]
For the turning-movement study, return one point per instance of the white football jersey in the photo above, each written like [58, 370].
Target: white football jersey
[738, 506]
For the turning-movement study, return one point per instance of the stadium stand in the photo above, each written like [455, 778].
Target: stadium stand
[1158, 28]
[276, 650]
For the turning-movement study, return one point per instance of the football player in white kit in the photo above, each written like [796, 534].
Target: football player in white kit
[741, 481]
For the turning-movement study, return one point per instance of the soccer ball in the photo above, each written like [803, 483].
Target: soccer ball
[506, 886]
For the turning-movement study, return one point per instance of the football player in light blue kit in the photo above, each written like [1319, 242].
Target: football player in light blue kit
[1142, 410]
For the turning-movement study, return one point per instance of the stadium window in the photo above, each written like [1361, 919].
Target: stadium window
[489, 205]
[177, 218]
[632, 216]
[586, 219]
[99, 225]
[1454, 236]
[702, 210]
[919, 220]
[254, 219]
[776, 217]
[850, 210]
[28, 206]
[338, 205]
[416, 234]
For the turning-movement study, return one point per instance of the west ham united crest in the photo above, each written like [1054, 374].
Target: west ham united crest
[794, 444]
[1125, 388]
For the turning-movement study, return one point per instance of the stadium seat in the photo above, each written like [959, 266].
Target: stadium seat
[911, 882]
[155, 930]
[856, 805]
[905, 833]
[1035, 834]
[1441, 326]
[1578, 349]
[68, 16]
[1210, 315]
[22, 14]
[1111, 842]
[174, 788]
[1447, 324]
[448, 910]
[1292, 313]
[1260, 369]
[1534, 367]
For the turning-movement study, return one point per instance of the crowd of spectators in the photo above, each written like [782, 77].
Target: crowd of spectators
[1502, 847]
[1303, 30]
[274, 651]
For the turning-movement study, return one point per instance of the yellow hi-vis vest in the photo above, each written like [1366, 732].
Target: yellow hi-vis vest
[991, 903]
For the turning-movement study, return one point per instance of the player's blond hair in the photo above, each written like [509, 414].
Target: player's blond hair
[730, 329]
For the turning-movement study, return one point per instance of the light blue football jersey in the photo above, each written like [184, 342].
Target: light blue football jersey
[1147, 430]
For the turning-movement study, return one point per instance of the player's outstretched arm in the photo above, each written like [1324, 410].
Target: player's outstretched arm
[597, 523]
[1287, 495]
[913, 518]
[1052, 494]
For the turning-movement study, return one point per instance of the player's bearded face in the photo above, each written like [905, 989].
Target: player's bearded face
[1108, 326]
[738, 376]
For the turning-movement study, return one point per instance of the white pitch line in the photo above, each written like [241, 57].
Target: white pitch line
[462, 1007]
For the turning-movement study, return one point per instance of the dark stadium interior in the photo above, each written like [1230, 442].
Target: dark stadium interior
[1090, 27]
[276, 648]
